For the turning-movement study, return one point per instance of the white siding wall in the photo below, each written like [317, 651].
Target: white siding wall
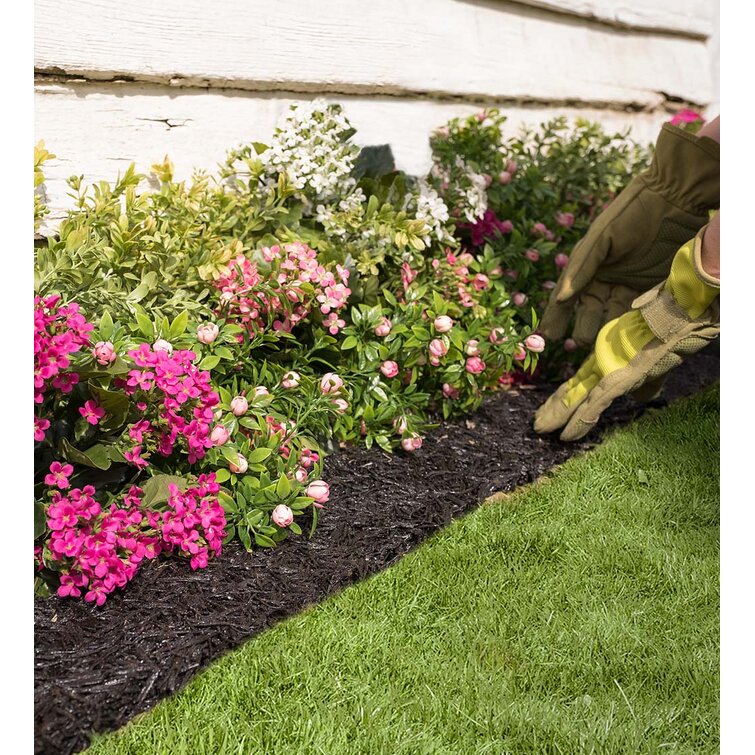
[131, 82]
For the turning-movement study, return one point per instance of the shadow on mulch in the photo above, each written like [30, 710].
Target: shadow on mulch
[95, 668]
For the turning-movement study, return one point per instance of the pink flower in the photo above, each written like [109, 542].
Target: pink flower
[437, 348]
[319, 491]
[260, 391]
[450, 392]
[548, 285]
[412, 443]
[282, 515]
[207, 333]
[104, 353]
[389, 368]
[59, 474]
[520, 354]
[519, 299]
[540, 229]
[488, 179]
[512, 167]
[291, 380]
[561, 260]
[92, 412]
[570, 345]
[162, 345]
[40, 425]
[400, 425]
[443, 323]
[239, 406]
[239, 468]
[497, 335]
[685, 116]
[480, 282]
[475, 365]
[565, 219]
[534, 343]
[134, 456]
[532, 255]
[300, 475]
[472, 348]
[504, 177]
[341, 405]
[333, 323]
[513, 274]
[383, 327]
[219, 435]
[330, 383]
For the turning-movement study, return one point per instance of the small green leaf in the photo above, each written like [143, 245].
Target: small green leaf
[259, 455]
[209, 362]
[156, 488]
[222, 475]
[106, 326]
[283, 488]
[145, 326]
[179, 324]
[40, 519]
[96, 456]
[349, 343]
[264, 541]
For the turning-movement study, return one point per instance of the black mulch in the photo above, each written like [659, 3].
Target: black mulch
[95, 668]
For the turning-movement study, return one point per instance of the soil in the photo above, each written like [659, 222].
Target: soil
[96, 668]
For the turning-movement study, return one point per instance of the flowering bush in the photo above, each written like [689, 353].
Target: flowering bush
[199, 346]
[541, 191]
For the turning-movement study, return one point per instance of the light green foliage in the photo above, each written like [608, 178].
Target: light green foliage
[577, 616]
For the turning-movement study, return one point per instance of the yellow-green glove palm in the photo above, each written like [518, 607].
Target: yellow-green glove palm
[672, 320]
[629, 248]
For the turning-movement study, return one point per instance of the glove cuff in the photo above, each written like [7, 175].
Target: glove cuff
[686, 170]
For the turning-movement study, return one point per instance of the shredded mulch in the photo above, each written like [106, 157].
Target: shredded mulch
[96, 668]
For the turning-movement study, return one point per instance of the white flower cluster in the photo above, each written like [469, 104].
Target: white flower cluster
[475, 193]
[311, 146]
[430, 208]
[331, 217]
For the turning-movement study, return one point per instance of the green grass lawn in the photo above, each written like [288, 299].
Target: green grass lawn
[579, 615]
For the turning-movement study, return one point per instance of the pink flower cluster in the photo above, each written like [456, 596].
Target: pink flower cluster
[59, 331]
[245, 293]
[178, 402]
[193, 523]
[97, 550]
[487, 228]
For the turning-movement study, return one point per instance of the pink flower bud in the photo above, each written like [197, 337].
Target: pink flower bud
[443, 323]
[207, 333]
[300, 475]
[389, 368]
[437, 348]
[472, 348]
[561, 260]
[260, 391]
[291, 380]
[532, 255]
[162, 345]
[475, 365]
[497, 271]
[341, 405]
[219, 435]
[450, 392]
[513, 274]
[434, 361]
[535, 343]
[565, 219]
[239, 468]
[548, 285]
[504, 177]
[330, 383]
[488, 179]
[400, 425]
[512, 167]
[239, 406]
[497, 335]
[570, 345]
[104, 353]
[520, 354]
[319, 491]
[282, 515]
[383, 327]
[519, 299]
[413, 443]
[480, 282]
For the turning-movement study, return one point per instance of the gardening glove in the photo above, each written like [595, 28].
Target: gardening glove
[676, 318]
[629, 248]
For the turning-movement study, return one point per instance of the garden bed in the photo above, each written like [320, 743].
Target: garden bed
[95, 668]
